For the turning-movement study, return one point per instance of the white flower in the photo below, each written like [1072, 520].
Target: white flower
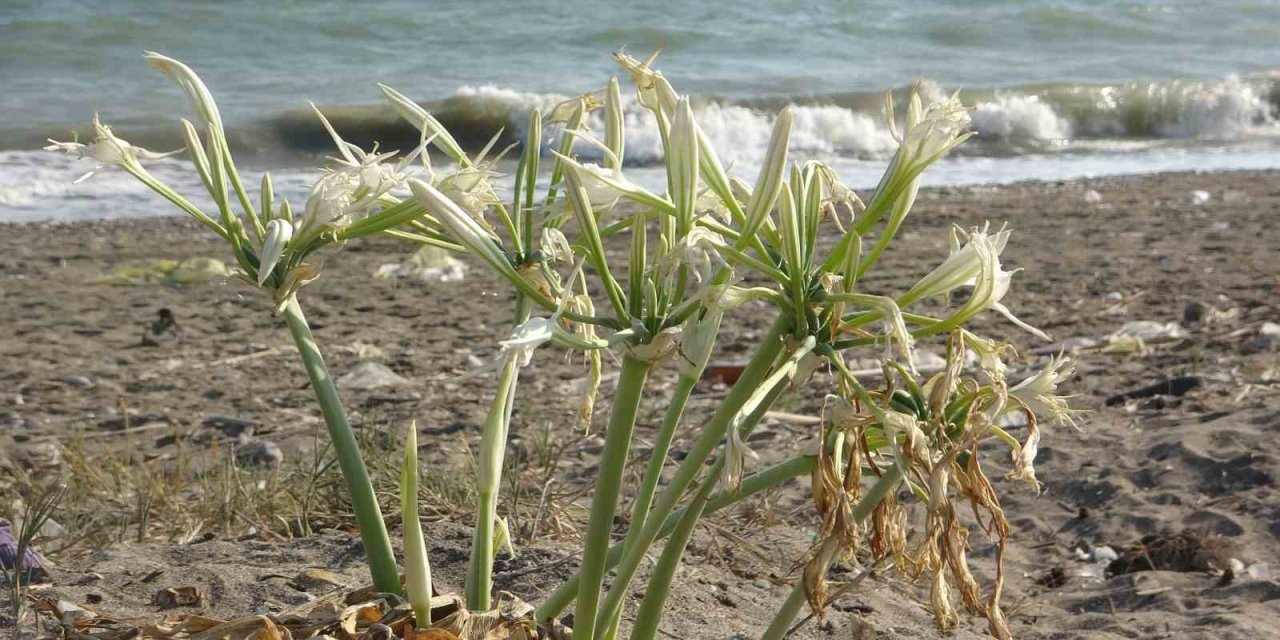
[278, 234]
[929, 132]
[464, 228]
[699, 250]
[836, 195]
[914, 442]
[652, 89]
[470, 188]
[555, 247]
[990, 355]
[1039, 392]
[107, 150]
[725, 297]
[351, 190]
[335, 202]
[526, 337]
[535, 332]
[975, 265]
[606, 185]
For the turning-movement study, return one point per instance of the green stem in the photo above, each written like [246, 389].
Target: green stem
[610, 613]
[658, 456]
[613, 462]
[752, 376]
[493, 440]
[664, 573]
[791, 608]
[373, 531]
[786, 614]
[900, 210]
[612, 608]
[752, 485]
[754, 400]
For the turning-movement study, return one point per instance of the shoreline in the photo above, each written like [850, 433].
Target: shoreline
[1206, 176]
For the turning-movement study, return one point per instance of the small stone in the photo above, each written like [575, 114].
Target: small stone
[761, 583]
[1150, 330]
[1092, 197]
[1270, 330]
[178, 597]
[15, 420]
[1194, 313]
[1103, 554]
[228, 426]
[252, 452]
[1259, 571]
[1200, 196]
[370, 375]
[80, 382]
[37, 456]
[314, 579]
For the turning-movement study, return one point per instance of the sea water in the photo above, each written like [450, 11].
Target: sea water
[1057, 88]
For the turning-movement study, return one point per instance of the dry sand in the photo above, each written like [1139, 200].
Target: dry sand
[1204, 461]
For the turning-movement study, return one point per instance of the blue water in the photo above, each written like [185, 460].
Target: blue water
[1060, 88]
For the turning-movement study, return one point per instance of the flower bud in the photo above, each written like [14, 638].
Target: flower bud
[279, 232]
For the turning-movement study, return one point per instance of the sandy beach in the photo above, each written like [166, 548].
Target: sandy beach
[1177, 442]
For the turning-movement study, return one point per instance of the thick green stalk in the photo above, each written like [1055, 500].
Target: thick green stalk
[752, 375]
[752, 485]
[612, 608]
[613, 462]
[791, 608]
[373, 531]
[664, 573]
[493, 441]
[658, 456]
[609, 613]
[786, 614]
[755, 398]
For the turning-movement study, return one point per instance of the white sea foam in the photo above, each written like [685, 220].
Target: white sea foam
[1020, 118]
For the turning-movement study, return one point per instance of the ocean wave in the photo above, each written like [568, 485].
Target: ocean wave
[1014, 120]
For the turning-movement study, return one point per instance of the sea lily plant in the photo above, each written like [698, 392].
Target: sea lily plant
[600, 265]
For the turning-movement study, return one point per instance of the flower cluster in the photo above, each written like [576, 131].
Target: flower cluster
[803, 239]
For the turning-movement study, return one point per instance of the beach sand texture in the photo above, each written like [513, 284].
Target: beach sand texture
[72, 356]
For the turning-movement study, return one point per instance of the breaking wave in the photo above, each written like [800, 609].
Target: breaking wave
[1008, 121]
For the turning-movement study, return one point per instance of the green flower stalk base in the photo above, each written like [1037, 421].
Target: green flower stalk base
[613, 463]
[373, 531]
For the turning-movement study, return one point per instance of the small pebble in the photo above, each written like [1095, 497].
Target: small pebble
[1193, 313]
[80, 382]
[252, 452]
